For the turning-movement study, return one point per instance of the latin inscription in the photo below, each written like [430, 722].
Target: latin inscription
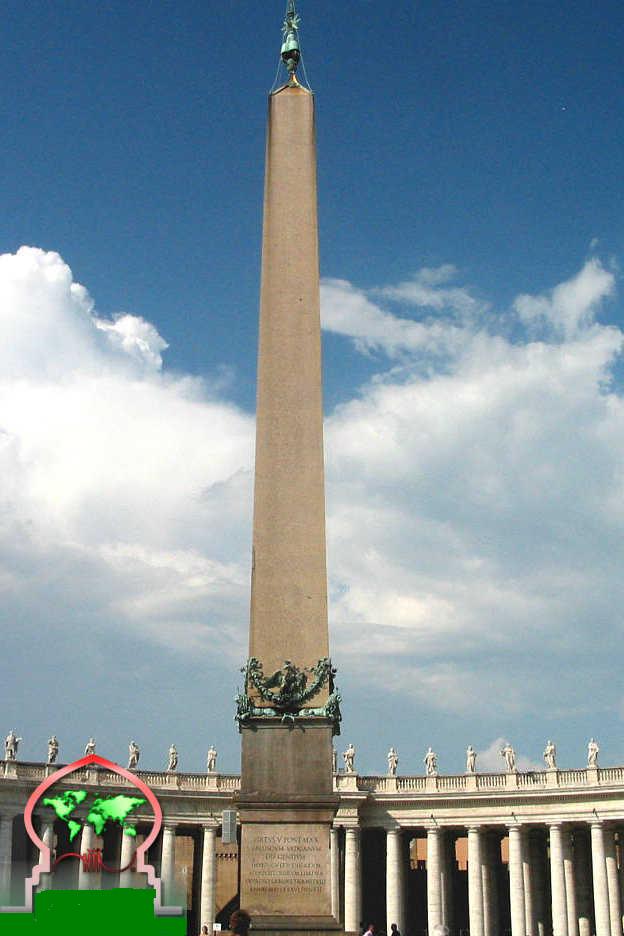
[286, 868]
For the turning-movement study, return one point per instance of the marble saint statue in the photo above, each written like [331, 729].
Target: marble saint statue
[53, 749]
[90, 746]
[471, 759]
[510, 758]
[393, 762]
[134, 752]
[211, 760]
[592, 753]
[349, 759]
[173, 758]
[11, 745]
[550, 755]
[431, 762]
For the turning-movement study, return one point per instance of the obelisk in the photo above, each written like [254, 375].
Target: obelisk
[289, 708]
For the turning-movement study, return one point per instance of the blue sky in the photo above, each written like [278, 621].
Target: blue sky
[472, 231]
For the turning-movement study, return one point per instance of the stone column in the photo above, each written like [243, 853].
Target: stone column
[47, 834]
[613, 884]
[434, 878]
[537, 852]
[88, 879]
[335, 872]
[516, 882]
[570, 883]
[6, 849]
[527, 881]
[128, 847]
[582, 862]
[208, 877]
[601, 887]
[557, 882]
[395, 891]
[167, 861]
[475, 882]
[353, 892]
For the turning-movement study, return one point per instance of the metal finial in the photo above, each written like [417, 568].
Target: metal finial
[291, 53]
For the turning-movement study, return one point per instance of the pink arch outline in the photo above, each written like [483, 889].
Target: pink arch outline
[45, 855]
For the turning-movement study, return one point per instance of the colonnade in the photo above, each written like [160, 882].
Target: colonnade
[563, 879]
[127, 844]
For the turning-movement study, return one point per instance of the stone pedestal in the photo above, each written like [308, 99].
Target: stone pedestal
[287, 807]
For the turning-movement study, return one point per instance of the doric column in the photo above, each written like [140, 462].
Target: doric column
[89, 878]
[128, 847]
[208, 877]
[47, 834]
[434, 879]
[516, 882]
[167, 861]
[601, 887]
[6, 849]
[395, 891]
[570, 883]
[353, 891]
[475, 882]
[335, 872]
[557, 882]
[613, 884]
[527, 880]
[537, 852]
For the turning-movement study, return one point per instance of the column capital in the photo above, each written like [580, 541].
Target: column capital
[475, 828]
[393, 830]
[210, 825]
[169, 825]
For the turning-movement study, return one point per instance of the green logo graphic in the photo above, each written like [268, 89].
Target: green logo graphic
[104, 809]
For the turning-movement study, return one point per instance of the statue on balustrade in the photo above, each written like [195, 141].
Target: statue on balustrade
[90, 747]
[550, 756]
[11, 745]
[134, 752]
[53, 749]
[592, 753]
[393, 762]
[431, 763]
[510, 758]
[211, 762]
[349, 759]
[471, 759]
[173, 758]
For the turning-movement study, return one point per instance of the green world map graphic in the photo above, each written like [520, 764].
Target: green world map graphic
[104, 809]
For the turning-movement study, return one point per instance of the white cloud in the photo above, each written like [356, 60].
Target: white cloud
[475, 489]
[490, 760]
[114, 471]
[486, 493]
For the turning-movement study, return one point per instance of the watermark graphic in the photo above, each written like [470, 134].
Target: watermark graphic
[103, 810]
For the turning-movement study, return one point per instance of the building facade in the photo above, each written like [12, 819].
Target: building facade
[525, 853]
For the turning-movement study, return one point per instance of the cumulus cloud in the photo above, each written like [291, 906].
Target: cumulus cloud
[475, 488]
[486, 492]
[490, 760]
[136, 480]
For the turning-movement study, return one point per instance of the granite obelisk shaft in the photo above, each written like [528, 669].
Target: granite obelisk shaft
[286, 801]
[289, 579]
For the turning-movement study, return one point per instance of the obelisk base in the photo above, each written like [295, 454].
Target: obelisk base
[286, 808]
